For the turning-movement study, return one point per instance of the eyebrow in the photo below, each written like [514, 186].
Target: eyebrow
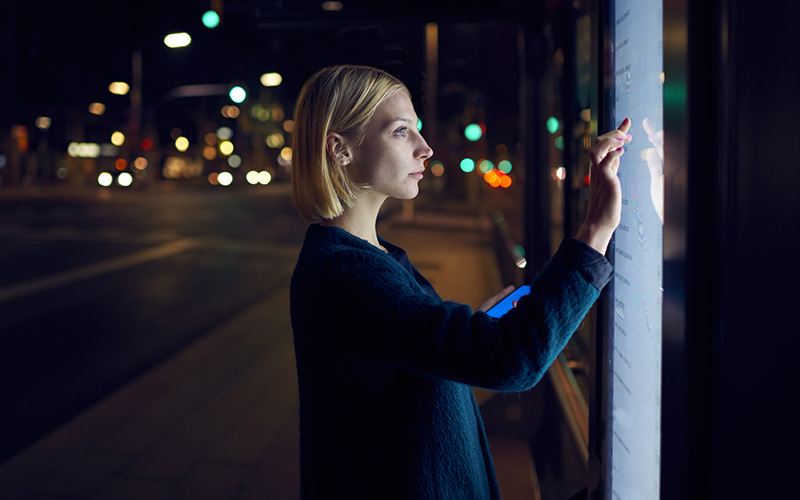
[402, 119]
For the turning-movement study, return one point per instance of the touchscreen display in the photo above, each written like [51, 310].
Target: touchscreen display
[636, 34]
[509, 303]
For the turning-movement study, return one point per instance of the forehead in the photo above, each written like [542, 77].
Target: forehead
[398, 106]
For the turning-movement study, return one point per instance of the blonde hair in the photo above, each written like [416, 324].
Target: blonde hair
[339, 99]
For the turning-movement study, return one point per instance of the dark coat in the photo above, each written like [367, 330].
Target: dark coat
[385, 367]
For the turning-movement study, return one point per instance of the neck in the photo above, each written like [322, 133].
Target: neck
[360, 220]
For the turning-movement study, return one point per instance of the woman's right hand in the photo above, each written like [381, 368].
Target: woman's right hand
[605, 191]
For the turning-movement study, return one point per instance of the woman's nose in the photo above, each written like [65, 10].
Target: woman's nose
[425, 151]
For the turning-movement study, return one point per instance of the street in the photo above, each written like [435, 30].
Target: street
[97, 287]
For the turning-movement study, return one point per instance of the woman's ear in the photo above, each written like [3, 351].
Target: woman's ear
[337, 147]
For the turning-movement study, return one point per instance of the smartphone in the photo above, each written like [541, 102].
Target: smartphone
[509, 303]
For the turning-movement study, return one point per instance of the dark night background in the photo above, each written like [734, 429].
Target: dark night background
[60, 56]
[68, 346]
[100, 285]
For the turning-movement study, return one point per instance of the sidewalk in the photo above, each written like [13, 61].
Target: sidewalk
[219, 419]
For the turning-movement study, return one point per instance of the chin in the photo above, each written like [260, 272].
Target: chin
[408, 196]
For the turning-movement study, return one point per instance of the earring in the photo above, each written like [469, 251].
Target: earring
[343, 160]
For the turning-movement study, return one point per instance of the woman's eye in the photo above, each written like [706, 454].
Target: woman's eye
[400, 132]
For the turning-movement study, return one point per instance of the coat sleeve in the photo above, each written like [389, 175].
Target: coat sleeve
[378, 314]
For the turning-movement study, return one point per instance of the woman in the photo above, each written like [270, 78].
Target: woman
[385, 365]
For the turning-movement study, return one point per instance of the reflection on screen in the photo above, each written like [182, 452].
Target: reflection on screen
[635, 441]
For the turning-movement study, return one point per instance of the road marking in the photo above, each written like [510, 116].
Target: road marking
[98, 269]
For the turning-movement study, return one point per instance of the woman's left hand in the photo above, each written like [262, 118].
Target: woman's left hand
[605, 192]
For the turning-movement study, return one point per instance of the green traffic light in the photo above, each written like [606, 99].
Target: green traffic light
[467, 165]
[237, 95]
[473, 132]
[504, 166]
[210, 19]
[552, 125]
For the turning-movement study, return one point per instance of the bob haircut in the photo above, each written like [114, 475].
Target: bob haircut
[339, 99]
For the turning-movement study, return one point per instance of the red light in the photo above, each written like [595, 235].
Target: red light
[20, 133]
[147, 144]
[586, 179]
[497, 178]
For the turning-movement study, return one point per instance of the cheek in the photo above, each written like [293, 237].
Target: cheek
[375, 164]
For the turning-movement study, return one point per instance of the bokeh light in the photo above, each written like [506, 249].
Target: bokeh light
[182, 144]
[210, 19]
[497, 178]
[105, 179]
[473, 132]
[277, 112]
[83, 149]
[226, 148]
[467, 165]
[97, 108]
[271, 79]
[259, 112]
[275, 140]
[119, 88]
[332, 6]
[552, 125]
[175, 40]
[43, 122]
[224, 133]
[237, 94]
[225, 178]
[118, 138]
[125, 179]
[230, 111]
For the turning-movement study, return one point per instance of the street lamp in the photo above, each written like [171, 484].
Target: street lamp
[173, 40]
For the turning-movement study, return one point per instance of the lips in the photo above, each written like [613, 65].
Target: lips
[417, 175]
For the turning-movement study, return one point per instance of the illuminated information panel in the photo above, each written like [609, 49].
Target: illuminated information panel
[637, 59]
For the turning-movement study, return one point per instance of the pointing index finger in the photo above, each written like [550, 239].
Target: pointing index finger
[625, 125]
